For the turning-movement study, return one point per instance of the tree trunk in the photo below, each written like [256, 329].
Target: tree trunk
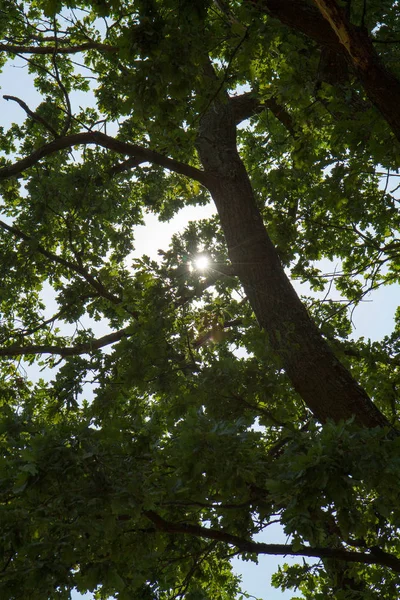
[317, 375]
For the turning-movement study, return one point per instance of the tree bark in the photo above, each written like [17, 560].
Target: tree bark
[325, 385]
[329, 27]
[300, 15]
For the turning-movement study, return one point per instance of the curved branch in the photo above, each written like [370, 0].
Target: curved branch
[32, 114]
[105, 141]
[247, 105]
[16, 49]
[84, 348]
[378, 558]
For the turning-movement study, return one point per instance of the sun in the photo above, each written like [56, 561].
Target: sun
[201, 262]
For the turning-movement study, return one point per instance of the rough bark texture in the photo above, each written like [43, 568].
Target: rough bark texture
[329, 27]
[322, 381]
[300, 15]
[376, 79]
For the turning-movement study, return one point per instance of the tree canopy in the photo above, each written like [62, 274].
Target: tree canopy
[217, 401]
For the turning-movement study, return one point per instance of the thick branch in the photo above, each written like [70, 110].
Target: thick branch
[243, 545]
[381, 86]
[347, 34]
[300, 15]
[247, 105]
[105, 141]
[84, 348]
[329, 27]
[16, 49]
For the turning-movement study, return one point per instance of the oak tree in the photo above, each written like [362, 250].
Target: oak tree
[216, 401]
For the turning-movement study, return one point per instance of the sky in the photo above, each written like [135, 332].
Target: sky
[372, 319]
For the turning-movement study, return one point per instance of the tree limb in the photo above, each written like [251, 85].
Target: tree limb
[16, 49]
[84, 348]
[61, 85]
[329, 27]
[381, 86]
[247, 105]
[300, 15]
[32, 114]
[346, 33]
[105, 141]
[384, 558]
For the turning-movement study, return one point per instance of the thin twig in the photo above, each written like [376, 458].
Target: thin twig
[34, 116]
[79, 269]
[62, 87]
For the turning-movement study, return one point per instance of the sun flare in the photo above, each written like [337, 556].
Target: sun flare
[201, 262]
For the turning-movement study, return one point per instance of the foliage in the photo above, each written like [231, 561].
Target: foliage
[148, 428]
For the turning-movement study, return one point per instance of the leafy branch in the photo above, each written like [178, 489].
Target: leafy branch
[35, 116]
[79, 269]
[105, 141]
[247, 105]
[329, 26]
[84, 348]
[373, 558]
[17, 49]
